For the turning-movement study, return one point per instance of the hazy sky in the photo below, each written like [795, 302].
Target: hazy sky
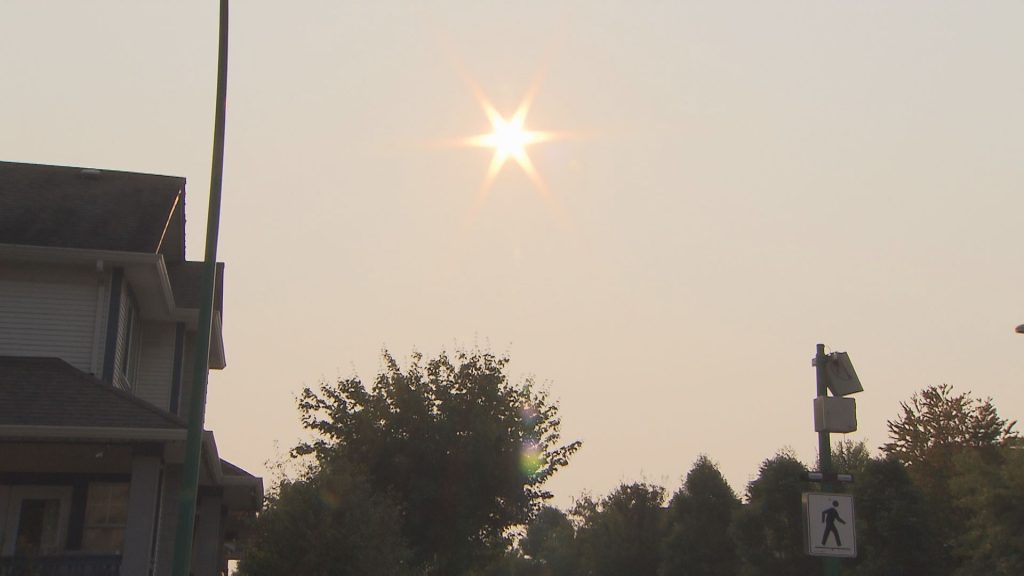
[745, 180]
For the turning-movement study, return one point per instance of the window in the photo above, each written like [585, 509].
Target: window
[106, 517]
[37, 520]
[38, 526]
[128, 342]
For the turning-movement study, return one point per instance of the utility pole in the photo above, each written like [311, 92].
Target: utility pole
[197, 408]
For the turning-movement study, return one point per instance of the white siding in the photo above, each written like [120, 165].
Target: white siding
[49, 315]
[156, 364]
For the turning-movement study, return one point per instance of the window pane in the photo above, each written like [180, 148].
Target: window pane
[103, 540]
[96, 504]
[106, 517]
[38, 525]
[117, 513]
[107, 504]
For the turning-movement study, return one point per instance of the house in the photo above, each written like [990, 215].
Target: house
[98, 315]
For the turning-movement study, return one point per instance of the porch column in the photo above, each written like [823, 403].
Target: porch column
[209, 540]
[143, 499]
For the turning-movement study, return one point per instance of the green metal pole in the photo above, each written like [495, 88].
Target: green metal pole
[830, 566]
[197, 407]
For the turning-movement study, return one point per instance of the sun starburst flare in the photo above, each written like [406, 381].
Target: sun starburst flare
[509, 138]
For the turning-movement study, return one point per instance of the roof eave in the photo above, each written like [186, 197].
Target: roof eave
[102, 259]
[22, 432]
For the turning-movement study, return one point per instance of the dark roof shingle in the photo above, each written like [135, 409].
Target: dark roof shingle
[51, 392]
[65, 207]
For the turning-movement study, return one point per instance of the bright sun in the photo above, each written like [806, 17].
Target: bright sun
[509, 139]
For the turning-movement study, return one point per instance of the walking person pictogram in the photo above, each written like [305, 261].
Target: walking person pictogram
[830, 516]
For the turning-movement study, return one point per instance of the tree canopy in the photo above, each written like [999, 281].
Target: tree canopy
[768, 530]
[433, 468]
[463, 451]
[894, 528]
[698, 541]
[621, 533]
[329, 521]
[936, 419]
[935, 429]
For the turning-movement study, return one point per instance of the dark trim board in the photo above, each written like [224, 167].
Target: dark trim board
[76, 520]
[58, 479]
[113, 320]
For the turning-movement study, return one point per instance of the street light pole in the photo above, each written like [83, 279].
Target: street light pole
[182, 559]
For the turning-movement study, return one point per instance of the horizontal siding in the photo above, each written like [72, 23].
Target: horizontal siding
[48, 319]
[156, 364]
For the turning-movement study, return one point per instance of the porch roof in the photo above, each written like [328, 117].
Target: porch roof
[49, 392]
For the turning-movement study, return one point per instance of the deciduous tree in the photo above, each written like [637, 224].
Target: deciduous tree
[769, 528]
[894, 531]
[328, 521]
[936, 427]
[935, 423]
[462, 450]
[551, 542]
[989, 492]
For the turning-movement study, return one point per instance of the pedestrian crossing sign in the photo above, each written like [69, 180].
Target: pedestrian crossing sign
[829, 525]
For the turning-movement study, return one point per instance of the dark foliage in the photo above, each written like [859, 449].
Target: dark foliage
[330, 522]
[463, 451]
[622, 533]
[894, 532]
[551, 542]
[936, 427]
[769, 528]
[699, 540]
[936, 423]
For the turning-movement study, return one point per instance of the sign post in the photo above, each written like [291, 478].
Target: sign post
[834, 413]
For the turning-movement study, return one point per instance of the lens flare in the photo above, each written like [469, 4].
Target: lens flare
[531, 460]
[509, 138]
[329, 496]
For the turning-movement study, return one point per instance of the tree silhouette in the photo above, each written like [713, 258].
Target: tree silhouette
[699, 540]
[621, 534]
[769, 528]
[894, 532]
[463, 451]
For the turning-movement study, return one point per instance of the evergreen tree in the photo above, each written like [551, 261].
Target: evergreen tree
[699, 541]
[622, 533]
